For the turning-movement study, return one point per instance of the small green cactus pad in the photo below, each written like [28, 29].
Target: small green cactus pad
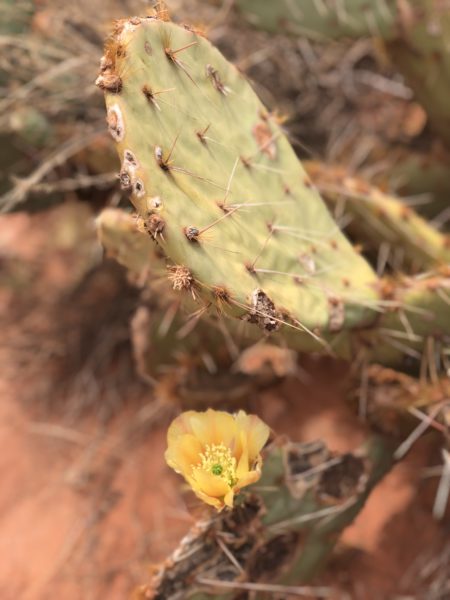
[322, 19]
[220, 188]
[381, 221]
[123, 239]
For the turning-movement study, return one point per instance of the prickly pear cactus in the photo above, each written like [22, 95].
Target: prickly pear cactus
[281, 531]
[393, 398]
[221, 190]
[218, 187]
[183, 355]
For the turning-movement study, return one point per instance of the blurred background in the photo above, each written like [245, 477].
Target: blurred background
[89, 382]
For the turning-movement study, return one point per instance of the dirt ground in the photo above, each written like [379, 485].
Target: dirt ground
[87, 502]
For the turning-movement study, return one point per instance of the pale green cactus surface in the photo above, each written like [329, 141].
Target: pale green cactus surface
[219, 186]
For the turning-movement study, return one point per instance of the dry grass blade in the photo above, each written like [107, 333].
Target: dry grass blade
[302, 591]
[427, 421]
[443, 492]
[58, 431]
[324, 512]
[22, 187]
[77, 182]
[42, 79]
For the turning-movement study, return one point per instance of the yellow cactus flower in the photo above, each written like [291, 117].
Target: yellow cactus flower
[216, 452]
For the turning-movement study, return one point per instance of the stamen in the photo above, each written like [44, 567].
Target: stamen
[218, 460]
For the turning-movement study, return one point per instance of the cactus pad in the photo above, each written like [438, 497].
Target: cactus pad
[380, 220]
[220, 189]
[322, 19]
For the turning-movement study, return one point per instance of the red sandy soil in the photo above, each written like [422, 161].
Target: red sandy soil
[87, 504]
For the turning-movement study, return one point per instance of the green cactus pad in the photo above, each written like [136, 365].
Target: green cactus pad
[378, 219]
[121, 235]
[160, 345]
[322, 19]
[220, 188]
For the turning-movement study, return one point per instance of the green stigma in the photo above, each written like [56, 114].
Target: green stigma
[217, 469]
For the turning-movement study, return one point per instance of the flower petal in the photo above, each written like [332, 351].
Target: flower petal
[257, 433]
[180, 425]
[218, 503]
[210, 484]
[228, 499]
[243, 465]
[183, 453]
[213, 427]
[199, 439]
[247, 479]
